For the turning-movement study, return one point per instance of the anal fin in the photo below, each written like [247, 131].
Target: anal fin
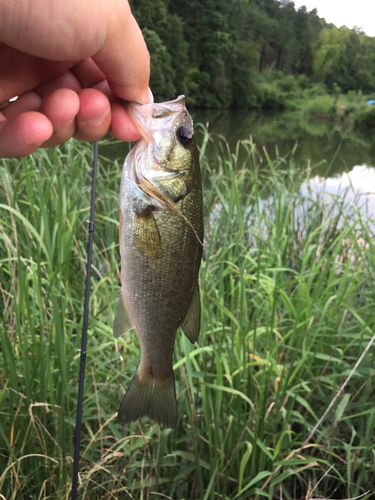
[122, 322]
[192, 322]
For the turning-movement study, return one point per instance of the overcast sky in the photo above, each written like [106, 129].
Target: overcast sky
[352, 13]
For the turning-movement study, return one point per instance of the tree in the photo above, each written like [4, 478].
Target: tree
[330, 58]
[162, 75]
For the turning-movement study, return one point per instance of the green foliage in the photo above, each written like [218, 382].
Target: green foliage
[359, 97]
[350, 96]
[287, 292]
[219, 53]
[345, 57]
[349, 110]
[318, 89]
[331, 54]
[244, 74]
[332, 112]
[304, 81]
[178, 50]
[320, 107]
[336, 89]
[196, 84]
[271, 95]
[161, 79]
[366, 119]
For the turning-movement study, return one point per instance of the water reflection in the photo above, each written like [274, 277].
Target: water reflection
[358, 186]
[340, 156]
[340, 145]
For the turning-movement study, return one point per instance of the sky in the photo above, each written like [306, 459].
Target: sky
[351, 13]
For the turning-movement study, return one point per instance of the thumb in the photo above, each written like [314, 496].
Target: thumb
[124, 58]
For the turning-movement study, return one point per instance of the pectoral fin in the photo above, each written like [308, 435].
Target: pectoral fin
[146, 233]
[122, 323]
[154, 193]
[192, 321]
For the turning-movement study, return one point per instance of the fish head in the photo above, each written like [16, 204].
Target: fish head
[166, 155]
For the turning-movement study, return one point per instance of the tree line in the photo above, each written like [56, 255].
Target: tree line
[250, 53]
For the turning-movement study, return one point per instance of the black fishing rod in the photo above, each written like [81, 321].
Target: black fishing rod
[77, 440]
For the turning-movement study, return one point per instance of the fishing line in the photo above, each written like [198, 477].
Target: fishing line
[77, 440]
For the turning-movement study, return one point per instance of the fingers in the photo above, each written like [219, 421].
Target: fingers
[61, 108]
[88, 73]
[66, 80]
[58, 30]
[122, 126]
[43, 42]
[89, 107]
[47, 62]
[21, 72]
[94, 115]
[51, 92]
[30, 101]
[62, 114]
[22, 135]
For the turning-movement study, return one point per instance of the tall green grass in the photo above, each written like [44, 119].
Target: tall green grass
[288, 308]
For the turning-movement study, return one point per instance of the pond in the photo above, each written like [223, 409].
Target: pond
[340, 146]
[342, 158]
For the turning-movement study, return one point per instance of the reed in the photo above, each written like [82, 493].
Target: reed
[288, 289]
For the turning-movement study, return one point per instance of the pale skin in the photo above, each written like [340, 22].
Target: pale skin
[70, 62]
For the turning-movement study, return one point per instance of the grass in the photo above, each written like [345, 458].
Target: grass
[287, 292]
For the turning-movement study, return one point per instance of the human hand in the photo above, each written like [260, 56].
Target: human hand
[70, 62]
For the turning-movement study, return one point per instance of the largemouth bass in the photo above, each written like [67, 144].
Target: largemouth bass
[161, 230]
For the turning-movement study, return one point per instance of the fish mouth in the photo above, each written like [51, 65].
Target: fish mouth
[143, 115]
[169, 107]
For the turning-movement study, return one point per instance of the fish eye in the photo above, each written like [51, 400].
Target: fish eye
[184, 136]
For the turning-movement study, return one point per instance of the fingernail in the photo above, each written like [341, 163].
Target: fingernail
[98, 119]
[150, 97]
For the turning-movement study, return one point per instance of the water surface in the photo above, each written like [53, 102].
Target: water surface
[340, 146]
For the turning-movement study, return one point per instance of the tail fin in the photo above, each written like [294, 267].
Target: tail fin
[154, 399]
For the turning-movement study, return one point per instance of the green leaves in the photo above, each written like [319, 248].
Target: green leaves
[162, 74]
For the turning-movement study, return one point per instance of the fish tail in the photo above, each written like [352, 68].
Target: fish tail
[152, 398]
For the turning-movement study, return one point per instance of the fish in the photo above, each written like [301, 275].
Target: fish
[161, 235]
